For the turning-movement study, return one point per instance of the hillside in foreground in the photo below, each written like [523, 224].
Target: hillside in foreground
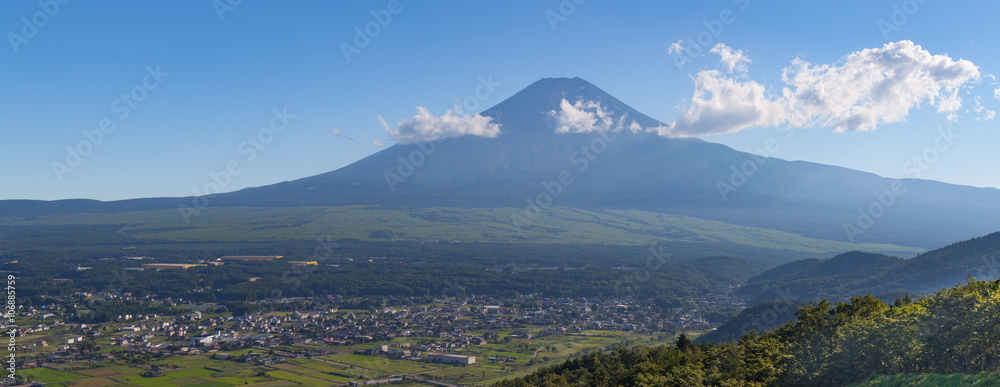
[954, 331]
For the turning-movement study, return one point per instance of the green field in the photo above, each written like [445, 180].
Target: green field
[114, 370]
[203, 370]
[48, 375]
[95, 382]
[985, 379]
[200, 371]
[555, 225]
[385, 365]
[300, 379]
[196, 372]
[333, 376]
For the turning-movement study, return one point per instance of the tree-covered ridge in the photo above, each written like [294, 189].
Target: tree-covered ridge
[761, 317]
[954, 331]
[852, 273]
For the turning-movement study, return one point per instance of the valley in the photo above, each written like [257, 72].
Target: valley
[440, 194]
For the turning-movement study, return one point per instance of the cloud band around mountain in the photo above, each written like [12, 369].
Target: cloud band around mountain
[861, 92]
[591, 116]
[428, 127]
[582, 117]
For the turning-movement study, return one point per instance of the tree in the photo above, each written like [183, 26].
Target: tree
[683, 343]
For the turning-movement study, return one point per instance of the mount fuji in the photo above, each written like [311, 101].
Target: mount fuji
[531, 165]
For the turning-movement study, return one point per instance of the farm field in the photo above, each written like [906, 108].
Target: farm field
[344, 366]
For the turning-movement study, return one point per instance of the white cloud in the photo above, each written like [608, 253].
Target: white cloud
[675, 47]
[338, 133]
[378, 144]
[661, 130]
[996, 93]
[982, 113]
[862, 91]
[584, 117]
[722, 105]
[427, 127]
[590, 116]
[733, 59]
[875, 86]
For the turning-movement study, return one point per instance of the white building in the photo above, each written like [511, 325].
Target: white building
[451, 359]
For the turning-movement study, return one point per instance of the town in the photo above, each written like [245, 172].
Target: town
[337, 340]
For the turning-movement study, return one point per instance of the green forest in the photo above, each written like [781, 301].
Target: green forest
[951, 336]
[351, 268]
[852, 273]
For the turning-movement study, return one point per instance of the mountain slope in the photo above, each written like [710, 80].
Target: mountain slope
[626, 170]
[687, 236]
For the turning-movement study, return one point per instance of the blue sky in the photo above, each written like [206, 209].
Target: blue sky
[221, 79]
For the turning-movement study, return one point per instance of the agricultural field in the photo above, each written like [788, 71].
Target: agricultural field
[343, 366]
[48, 375]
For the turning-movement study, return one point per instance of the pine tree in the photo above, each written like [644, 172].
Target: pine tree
[683, 342]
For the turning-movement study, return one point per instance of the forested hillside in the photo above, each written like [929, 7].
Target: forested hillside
[853, 273]
[761, 318]
[954, 331]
